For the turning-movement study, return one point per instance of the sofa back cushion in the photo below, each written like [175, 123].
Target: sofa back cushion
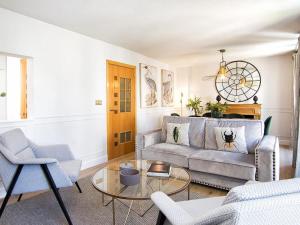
[254, 130]
[196, 129]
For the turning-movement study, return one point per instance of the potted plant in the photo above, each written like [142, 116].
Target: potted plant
[194, 104]
[216, 109]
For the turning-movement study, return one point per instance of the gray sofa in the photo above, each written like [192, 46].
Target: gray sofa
[207, 165]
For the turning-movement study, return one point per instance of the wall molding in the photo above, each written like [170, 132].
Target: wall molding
[278, 110]
[51, 119]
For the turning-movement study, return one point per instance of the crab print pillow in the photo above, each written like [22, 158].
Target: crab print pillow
[178, 133]
[231, 139]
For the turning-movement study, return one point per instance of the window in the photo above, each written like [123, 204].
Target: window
[13, 87]
[125, 95]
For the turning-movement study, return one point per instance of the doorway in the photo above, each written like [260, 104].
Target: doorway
[121, 109]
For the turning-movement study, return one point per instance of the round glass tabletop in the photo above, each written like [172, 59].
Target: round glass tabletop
[107, 181]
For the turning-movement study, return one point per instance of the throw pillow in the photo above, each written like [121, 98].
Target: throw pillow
[178, 133]
[231, 139]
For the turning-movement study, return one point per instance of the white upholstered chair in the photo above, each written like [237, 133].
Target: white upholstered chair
[26, 167]
[270, 203]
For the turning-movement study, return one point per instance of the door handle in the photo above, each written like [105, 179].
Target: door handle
[114, 110]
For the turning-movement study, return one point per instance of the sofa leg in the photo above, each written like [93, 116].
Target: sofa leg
[161, 218]
[78, 187]
[10, 189]
[56, 193]
[20, 196]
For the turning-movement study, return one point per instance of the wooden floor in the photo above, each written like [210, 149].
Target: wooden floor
[286, 172]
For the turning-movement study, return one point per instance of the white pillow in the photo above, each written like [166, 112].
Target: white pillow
[231, 139]
[178, 133]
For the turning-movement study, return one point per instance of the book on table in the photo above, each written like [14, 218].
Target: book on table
[159, 169]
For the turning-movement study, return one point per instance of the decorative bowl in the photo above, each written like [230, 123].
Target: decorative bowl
[129, 177]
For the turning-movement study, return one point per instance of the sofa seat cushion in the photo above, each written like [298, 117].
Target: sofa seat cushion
[177, 154]
[236, 165]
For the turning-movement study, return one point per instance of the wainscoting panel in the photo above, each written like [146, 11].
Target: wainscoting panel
[281, 123]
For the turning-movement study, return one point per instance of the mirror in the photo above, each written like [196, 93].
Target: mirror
[13, 87]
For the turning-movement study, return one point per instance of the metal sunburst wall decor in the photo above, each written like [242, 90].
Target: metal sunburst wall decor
[240, 83]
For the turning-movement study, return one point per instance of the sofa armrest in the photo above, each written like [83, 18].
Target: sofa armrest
[146, 139]
[174, 212]
[267, 159]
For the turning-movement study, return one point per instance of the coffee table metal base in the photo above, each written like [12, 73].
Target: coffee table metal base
[141, 213]
[130, 207]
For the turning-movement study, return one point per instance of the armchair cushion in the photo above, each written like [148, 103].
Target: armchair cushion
[59, 152]
[199, 207]
[27, 153]
[14, 140]
[71, 168]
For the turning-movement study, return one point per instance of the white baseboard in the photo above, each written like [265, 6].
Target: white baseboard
[93, 162]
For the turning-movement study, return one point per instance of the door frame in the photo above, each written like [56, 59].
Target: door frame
[111, 62]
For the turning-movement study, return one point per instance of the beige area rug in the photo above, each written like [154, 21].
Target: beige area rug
[84, 209]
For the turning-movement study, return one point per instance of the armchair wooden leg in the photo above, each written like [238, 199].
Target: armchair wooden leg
[20, 196]
[10, 189]
[56, 193]
[78, 187]
[161, 218]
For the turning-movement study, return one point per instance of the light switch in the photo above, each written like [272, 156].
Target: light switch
[98, 102]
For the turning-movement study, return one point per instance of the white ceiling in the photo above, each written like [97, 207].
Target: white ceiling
[177, 31]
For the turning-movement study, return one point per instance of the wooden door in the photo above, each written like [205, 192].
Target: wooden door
[120, 109]
[23, 110]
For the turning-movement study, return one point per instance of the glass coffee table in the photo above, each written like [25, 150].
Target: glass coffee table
[107, 181]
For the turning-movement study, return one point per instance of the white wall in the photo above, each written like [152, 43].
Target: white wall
[275, 93]
[2, 87]
[13, 79]
[68, 75]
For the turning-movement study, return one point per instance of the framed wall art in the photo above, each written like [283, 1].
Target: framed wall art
[148, 85]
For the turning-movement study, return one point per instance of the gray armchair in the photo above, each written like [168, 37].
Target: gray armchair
[26, 167]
